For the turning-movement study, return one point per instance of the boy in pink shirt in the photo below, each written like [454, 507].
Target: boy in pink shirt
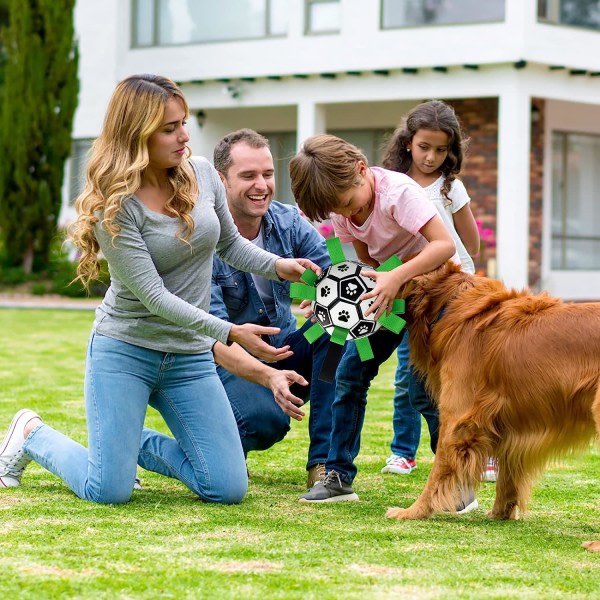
[381, 213]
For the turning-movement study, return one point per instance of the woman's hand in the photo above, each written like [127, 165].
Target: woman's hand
[249, 335]
[280, 382]
[292, 268]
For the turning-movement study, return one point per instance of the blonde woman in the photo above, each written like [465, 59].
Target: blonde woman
[157, 216]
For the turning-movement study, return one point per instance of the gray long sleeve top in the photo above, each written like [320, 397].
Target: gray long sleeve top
[159, 294]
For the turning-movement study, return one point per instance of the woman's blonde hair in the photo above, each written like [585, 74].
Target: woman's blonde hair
[117, 162]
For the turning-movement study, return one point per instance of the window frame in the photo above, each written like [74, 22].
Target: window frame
[384, 27]
[156, 43]
[308, 4]
[561, 187]
[549, 13]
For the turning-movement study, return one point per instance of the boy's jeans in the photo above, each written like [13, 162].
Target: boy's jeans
[353, 378]
[121, 381]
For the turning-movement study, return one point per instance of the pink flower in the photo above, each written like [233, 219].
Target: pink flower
[325, 229]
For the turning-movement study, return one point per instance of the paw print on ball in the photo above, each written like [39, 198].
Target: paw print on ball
[337, 308]
[351, 290]
[338, 291]
[344, 316]
[325, 291]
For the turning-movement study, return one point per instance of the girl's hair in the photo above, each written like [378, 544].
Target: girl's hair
[324, 168]
[117, 161]
[436, 116]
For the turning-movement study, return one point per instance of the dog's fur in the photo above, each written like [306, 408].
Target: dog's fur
[516, 376]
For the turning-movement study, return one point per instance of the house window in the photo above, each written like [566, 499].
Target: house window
[80, 150]
[408, 13]
[579, 13]
[171, 22]
[370, 141]
[323, 16]
[283, 148]
[575, 233]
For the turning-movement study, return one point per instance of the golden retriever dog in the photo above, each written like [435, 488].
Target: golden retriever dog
[516, 376]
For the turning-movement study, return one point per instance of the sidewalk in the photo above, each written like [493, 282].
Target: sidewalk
[20, 300]
[64, 303]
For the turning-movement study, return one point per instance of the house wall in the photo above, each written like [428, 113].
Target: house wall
[366, 77]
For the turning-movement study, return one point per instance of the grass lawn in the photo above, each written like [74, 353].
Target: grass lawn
[167, 544]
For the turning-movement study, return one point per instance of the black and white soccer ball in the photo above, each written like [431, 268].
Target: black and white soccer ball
[338, 290]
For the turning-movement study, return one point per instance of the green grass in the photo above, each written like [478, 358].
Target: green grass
[167, 544]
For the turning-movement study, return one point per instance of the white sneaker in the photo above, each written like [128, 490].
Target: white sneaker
[12, 458]
[399, 465]
[491, 471]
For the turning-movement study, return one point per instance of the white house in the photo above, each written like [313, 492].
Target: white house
[524, 76]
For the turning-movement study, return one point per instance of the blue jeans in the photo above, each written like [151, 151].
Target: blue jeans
[261, 423]
[424, 403]
[406, 420]
[121, 380]
[353, 378]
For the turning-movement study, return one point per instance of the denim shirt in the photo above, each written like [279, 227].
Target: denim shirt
[234, 296]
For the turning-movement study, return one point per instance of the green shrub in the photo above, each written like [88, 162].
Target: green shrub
[38, 289]
[12, 275]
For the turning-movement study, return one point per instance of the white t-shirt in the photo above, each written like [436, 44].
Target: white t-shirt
[459, 196]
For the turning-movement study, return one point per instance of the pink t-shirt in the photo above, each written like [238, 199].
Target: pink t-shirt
[400, 209]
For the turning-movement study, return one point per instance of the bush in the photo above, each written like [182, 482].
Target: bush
[12, 276]
[63, 272]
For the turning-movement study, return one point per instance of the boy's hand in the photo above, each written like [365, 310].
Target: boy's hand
[384, 292]
[306, 306]
[292, 268]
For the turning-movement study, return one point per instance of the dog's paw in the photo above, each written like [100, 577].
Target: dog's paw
[507, 513]
[405, 513]
[592, 546]
[397, 513]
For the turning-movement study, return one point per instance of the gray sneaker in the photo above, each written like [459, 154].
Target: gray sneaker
[330, 489]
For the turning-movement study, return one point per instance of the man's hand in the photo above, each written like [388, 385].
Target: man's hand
[249, 335]
[292, 268]
[279, 382]
[241, 363]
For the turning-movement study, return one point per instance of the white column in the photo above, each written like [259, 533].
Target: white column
[310, 120]
[513, 185]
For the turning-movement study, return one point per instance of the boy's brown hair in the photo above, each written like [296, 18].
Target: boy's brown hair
[324, 168]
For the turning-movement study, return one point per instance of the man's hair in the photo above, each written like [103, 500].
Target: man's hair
[324, 168]
[222, 152]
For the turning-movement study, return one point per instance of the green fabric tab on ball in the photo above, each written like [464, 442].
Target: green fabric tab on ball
[392, 322]
[309, 277]
[391, 263]
[314, 333]
[339, 335]
[364, 349]
[336, 252]
[303, 292]
[399, 306]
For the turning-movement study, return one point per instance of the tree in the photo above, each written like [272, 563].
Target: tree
[39, 97]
